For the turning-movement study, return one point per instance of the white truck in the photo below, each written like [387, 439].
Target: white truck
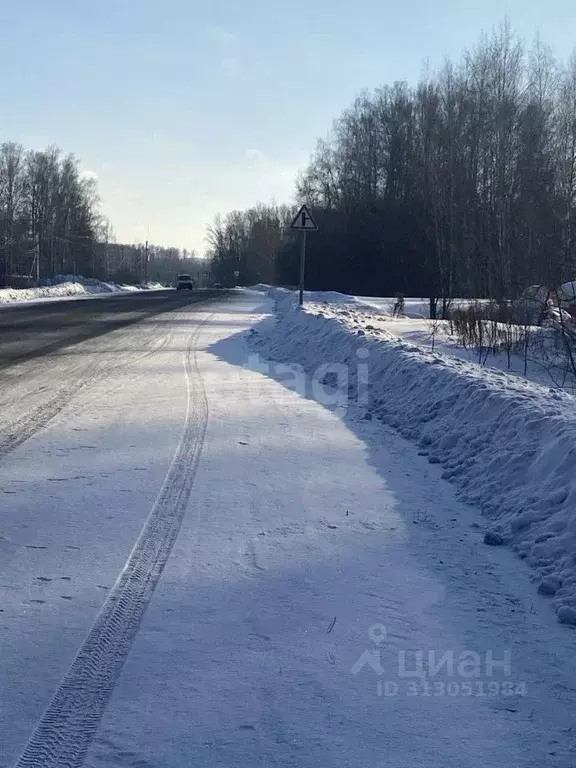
[184, 282]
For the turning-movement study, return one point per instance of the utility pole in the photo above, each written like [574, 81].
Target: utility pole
[146, 254]
[37, 258]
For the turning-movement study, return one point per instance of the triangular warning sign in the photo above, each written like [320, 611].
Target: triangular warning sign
[304, 220]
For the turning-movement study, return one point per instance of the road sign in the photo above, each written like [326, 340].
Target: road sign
[304, 220]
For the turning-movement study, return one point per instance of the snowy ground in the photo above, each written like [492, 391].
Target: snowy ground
[542, 366]
[319, 558]
[65, 291]
[507, 445]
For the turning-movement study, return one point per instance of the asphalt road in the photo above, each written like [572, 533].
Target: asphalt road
[31, 331]
[120, 391]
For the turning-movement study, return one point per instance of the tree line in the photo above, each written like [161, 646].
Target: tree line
[252, 246]
[462, 185]
[51, 224]
[141, 262]
[48, 214]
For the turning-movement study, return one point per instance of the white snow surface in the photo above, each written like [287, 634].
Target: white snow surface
[318, 551]
[546, 363]
[70, 289]
[506, 444]
[417, 309]
[413, 307]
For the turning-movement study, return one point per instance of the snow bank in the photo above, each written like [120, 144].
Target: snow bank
[14, 295]
[507, 445]
[332, 296]
[67, 286]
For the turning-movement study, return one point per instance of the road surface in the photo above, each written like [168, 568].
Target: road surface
[27, 331]
[201, 566]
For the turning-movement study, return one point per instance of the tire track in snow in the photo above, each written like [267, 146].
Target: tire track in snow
[22, 429]
[77, 378]
[132, 359]
[69, 724]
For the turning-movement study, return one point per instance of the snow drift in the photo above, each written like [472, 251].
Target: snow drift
[67, 286]
[15, 295]
[332, 296]
[509, 446]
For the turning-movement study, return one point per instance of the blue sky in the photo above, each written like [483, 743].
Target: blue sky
[183, 109]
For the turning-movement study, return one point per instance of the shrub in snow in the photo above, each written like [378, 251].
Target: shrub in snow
[507, 445]
[542, 305]
[532, 306]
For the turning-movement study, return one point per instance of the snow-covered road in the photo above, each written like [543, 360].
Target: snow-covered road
[318, 561]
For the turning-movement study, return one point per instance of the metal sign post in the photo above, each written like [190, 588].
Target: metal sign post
[302, 223]
[302, 265]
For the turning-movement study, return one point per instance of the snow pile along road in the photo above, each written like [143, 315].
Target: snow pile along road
[509, 446]
[334, 297]
[15, 295]
[69, 288]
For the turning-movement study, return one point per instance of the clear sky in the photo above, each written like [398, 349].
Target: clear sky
[185, 108]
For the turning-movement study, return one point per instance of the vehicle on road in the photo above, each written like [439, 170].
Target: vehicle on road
[184, 282]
